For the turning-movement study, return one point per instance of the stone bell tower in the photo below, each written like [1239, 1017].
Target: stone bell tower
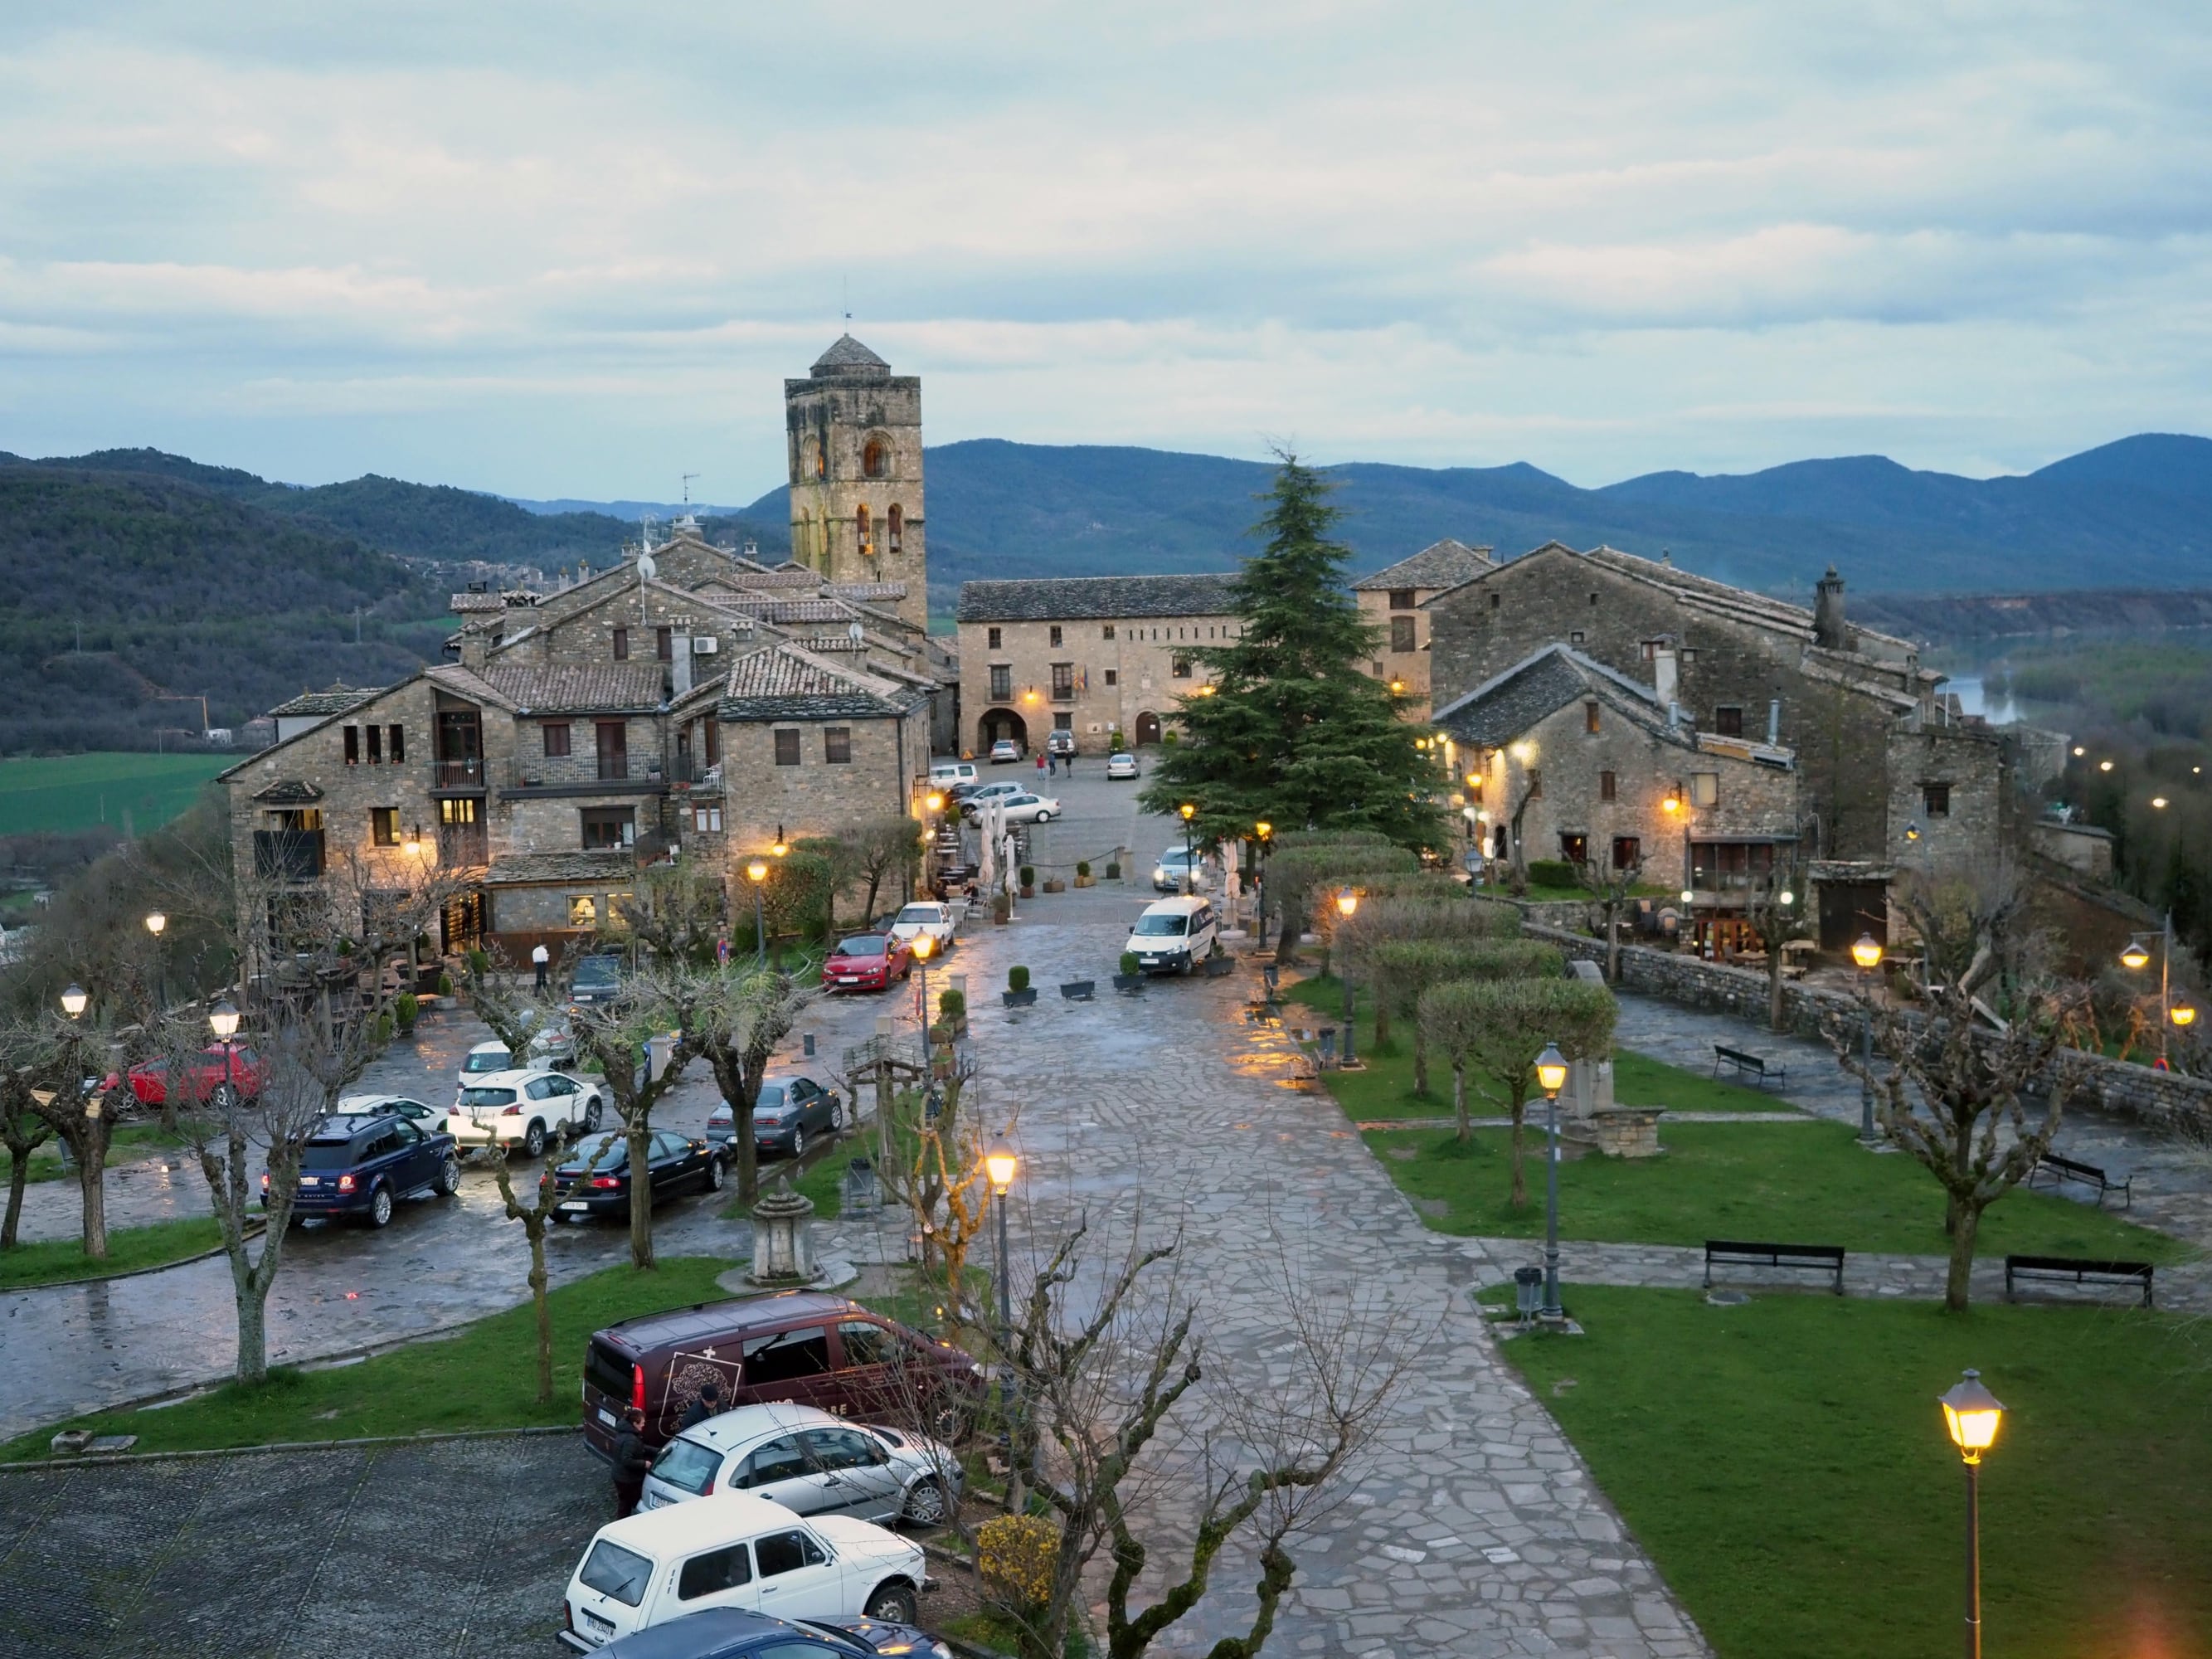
[855, 430]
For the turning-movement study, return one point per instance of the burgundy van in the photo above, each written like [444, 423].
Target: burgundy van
[805, 1346]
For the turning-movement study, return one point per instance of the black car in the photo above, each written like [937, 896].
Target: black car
[792, 1111]
[740, 1633]
[362, 1163]
[598, 979]
[596, 1178]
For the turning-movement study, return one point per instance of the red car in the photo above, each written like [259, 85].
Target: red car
[866, 962]
[150, 1080]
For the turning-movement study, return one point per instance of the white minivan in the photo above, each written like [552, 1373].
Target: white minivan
[1174, 935]
[737, 1550]
[945, 774]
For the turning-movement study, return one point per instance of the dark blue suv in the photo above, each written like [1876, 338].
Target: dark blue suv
[362, 1163]
[740, 1633]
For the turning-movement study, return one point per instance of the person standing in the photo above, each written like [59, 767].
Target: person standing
[632, 1459]
[708, 1404]
[541, 959]
[1040, 763]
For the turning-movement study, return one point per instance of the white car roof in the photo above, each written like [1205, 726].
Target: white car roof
[494, 1047]
[1177, 906]
[512, 1078]
[371, 1103]
[744, 1424]
[686, 1528]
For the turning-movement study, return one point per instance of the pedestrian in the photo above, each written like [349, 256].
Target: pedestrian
[1040, 761]
[1052, 763]
[541, 959]
[708, 1404]
[1068, 760]
[632, 1459]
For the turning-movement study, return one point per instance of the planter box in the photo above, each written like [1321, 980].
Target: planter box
[1055, 885]
[1113, 873]
[1029, 892]
[1078, 990]
[1086, 881]
[1128, 984]
[1018, 999]
[1215, 967]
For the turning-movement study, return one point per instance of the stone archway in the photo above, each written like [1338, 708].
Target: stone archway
[1148, 728]
[997, 723]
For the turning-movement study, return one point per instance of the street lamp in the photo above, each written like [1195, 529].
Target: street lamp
[2135, 956]
[1264, 830]
[1347, 903]
[1972, 1415]
[222, 1020]
[1867, 954]
[757, 872]
[1552, 1077]
[74, 1001]
[1000, 1164]
[924, 948]
[155, 921]
[1188, 811]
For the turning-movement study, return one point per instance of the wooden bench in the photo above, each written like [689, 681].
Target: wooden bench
[1742, 1062]
[2061, 1169]
[2079, 1270]
[1820, 1258]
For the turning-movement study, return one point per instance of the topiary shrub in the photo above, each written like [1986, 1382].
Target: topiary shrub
[1113, 870]
[1029, 875]
[479, 960]
[406, 1008]
[444, 983]
[1017, 978]
[951, 1005]
[1129, 964]
[1552, 872]
[1015, 1555]
[1083, 868]
[384, 1026]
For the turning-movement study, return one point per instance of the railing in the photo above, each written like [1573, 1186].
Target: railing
[689, 768]
[467, 773]
[288, 855]
[567, 771]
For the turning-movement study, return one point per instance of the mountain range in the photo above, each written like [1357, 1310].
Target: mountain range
[127, 575]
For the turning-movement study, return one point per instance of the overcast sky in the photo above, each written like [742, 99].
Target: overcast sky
[564, 250]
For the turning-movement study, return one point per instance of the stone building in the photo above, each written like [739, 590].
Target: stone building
[1390, 603]
[1887, 777]
[854, 435]
[1090, 655]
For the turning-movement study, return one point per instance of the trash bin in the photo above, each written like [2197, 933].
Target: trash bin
[862, 1190]
[1327, 1038]
[1527, 1291]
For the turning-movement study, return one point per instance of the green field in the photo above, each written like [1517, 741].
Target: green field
[78, 792]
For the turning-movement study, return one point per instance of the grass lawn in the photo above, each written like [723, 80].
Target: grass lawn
[483, 1377]
[128, 1249]
[132, 1140]
[1385, 1089]
[1809, 1182]
[77, 792]
[823, 1180]
[1785, 1464]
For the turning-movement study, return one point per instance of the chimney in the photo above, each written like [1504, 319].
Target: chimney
[1774, 723]
[1662, 670]
[476, 649]
[1828, 612]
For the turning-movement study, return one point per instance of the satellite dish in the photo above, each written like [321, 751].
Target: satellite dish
[646, 568]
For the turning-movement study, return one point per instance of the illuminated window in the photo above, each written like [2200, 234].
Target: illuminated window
[583, 910]
[1589, 717]
[1705, 788]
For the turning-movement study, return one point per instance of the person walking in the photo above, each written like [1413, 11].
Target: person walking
[1040, 760]
[541, 959]
[632, 1459]
[708, 1404]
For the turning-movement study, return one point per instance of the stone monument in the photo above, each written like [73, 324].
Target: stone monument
[783, 1256]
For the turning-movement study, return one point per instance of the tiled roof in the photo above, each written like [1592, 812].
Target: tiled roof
[865, 590]
[515, 869]
[1446, 563]
[757, 580]
[774, 607]
[1061, 598]
[785, 682]
[463, 604]
[289, 791]
[578, 689]
[847, 356]
[1506, 705]
[334, 699]
[467, 682]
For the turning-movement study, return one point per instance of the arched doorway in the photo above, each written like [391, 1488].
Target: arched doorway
[997, 723]
[1148, 728]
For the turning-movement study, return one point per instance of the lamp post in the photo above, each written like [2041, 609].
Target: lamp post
[222, 1020]
[1867, 954]
[1264, 830]
[155, 921]
[1000, 1164]
[756, 874]
[924, 948]
[1551, 1075]
[1347, 905]
[1971, 1415]
[74, 1001]
[934, 804]
[2137, 958]
[1189, 881]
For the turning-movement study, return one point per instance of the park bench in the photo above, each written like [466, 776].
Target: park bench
[1820, 1258]
[1755, 1065]
[2078, 1269]
[2061, 1169]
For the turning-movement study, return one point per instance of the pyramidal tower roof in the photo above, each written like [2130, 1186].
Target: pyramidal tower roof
[848, 358]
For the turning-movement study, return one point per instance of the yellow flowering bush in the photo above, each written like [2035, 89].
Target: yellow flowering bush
[1015, 1554]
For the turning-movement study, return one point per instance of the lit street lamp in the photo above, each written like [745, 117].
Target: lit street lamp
[1263, 829]
[1972, 1415]
[74, 1001]
[1347, 904]
[1867, 953]
[1190, 880]
[155, 921]
[757, 872]
[2137, 958]
[1551, 1075]
[222, 1020]
[1000, 1164]
[924, 948]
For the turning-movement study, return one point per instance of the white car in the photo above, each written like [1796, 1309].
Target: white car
[972, 803]
[1173, 936]
[811, 1463]
[553, 1048]
[1121, 766]
[1028, 808]
[950, 775]
[1174, 864]
[915, 920]
[1005, 749]
[738, 1550]
[526, 1110]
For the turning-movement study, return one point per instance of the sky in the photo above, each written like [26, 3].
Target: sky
[567, 250]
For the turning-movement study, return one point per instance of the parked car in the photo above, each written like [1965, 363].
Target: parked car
[971, 804]
[1057, 742]
[554, 1051]
[525, 1108]
[1004, 751]
[949, 774]
[734, 1633]
[1029, 809]
[598, 978]
[742, 1552]
[430, 1120]
[596, 1175]
[1173, 936]
[1173, 865]
[362, 1164]
[928, 917]
[1121, 766]
[788, 1113]
[149, 1079]
[812, 1463]
[866, 962]
[806, 1346]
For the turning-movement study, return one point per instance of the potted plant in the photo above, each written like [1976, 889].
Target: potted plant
[406, 1008]
[952, 1013]
[1018, 993]
[1055, 884]
[1131, 979]
[1083, 876]
[1002, 908]
[1113, 870]
[1029, 880]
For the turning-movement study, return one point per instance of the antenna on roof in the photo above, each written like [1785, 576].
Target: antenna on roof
[686, 487]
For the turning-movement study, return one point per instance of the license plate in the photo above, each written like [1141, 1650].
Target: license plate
[606, 1417]
[599, 1627]
[849, 978]
[575, 1207]
[310, 1180]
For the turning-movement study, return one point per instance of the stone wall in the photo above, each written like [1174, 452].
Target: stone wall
[1409, 668]
[1969, 767]
[1117, 679]
[817, 797]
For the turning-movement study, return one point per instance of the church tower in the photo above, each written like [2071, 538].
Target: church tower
[855, 436]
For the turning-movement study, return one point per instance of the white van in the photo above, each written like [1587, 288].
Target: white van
[944, 775]
[1174, 935]
[738, 1551]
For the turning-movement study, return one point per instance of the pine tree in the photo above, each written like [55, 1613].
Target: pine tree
[1291, 731]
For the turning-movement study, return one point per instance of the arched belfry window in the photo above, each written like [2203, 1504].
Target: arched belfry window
[863, 528]
[876, 459]
[897, 527]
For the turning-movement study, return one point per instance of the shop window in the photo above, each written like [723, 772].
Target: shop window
[786, 747]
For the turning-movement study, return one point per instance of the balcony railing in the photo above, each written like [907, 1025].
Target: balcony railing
[689, 768]
[570, 771]
[288, 855]
[467, 773]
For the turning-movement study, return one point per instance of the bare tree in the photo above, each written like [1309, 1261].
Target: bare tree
[747, 1014]
[77, 1079]
[941, 1181]
[23, 1127]
[883, 851]
[1615, 888]
[1951, 1085]
[537, 1216]
[655, 999]
[1777, 914]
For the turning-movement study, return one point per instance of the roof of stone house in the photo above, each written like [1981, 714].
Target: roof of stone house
[762, 580]
[333, 699]
[462, 605]
[289, 791]
[517, 869]
[846, 356]
[1446, 563]
[604, 688]
[1060, 599]
[789, 608]
[788, 682]
[468, 683]
[865, 590]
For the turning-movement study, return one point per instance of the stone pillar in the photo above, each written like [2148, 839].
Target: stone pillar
[1589, 1088]
[783, 1254]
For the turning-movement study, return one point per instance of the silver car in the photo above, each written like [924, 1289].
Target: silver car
[1121, 766]
[811, 1463]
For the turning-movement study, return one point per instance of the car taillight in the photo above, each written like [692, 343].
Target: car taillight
[605, 1183]
[567, 1618]
[345, 1183]
[637, 1387]
[514, 1110]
